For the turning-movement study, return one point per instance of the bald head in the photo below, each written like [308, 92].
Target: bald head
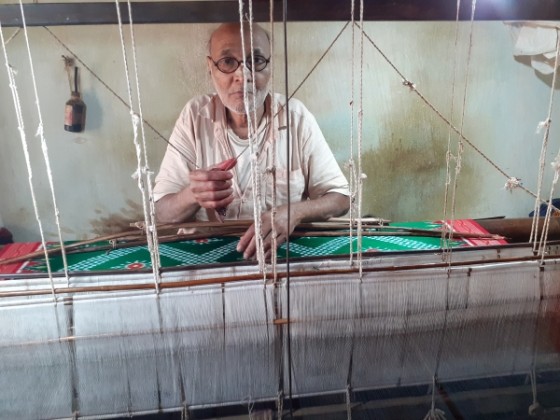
[232, 31]
[230, 62]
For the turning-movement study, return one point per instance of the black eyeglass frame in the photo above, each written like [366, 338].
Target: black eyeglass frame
[246, 63]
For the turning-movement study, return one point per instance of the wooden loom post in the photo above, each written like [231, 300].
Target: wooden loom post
[519, 230]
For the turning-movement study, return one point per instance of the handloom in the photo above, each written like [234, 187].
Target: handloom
[216, 335]
[177, 330]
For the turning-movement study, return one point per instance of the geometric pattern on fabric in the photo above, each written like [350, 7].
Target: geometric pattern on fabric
[405, 243]
[99, 260]
[311, 248]
[223, 250]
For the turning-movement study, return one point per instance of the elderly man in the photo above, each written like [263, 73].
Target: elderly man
[196, 183]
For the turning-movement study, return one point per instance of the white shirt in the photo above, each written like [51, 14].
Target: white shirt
[201, 136]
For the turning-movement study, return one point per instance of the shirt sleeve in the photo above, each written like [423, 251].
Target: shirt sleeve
[179, 157]
[323, 173]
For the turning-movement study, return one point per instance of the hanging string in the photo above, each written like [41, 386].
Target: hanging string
[353, 187]
[250, 406]
[434, 413]
[288, 279]
[351, 165]
[319, 60]
[279, 401]
[255, 178]
[546, 224]
[135, 119]
[410, 85]
[23, 138]
[256, 174]
[272, 173]
[348, 399]
[185, 412]
[41, 135]
[12, 36]
[274, 134]
[153, 245]
[460, 144]
[445, 231]
[535, 409]
[361, 175]
[536, 214]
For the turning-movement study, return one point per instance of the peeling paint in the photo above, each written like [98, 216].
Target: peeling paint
[119, 221]
[406, 173]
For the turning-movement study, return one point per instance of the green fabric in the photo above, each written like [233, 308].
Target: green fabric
[222, 250]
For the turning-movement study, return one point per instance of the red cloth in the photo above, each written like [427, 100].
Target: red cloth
[16, 250]
[470, 226]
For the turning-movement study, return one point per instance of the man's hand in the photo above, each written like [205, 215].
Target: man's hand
[248, 242]
[211, 188]
[323, 208]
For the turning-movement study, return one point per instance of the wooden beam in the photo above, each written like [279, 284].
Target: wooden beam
[519, 229]
[56, 14]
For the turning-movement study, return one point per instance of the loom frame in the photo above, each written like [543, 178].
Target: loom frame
[58, 14]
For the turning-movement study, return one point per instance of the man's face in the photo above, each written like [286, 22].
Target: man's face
[226, 42]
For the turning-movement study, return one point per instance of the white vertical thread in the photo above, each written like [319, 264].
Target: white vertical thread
[151, 233]
[255, 179]
[361, 175]
[445, 230]
[460, 143]
[273, 140]
[534, 229]
[135, 119]
[44, 147]
[21, 129]
[351, 166]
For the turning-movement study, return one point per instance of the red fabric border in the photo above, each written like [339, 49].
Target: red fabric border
[16, 250]
[470, 226]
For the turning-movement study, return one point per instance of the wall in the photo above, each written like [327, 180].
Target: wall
[404, 143]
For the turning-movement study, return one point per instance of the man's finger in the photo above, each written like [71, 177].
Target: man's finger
[249, 251]
[202, 175]
[217, 204]
[207, 189]
[246, 239]
[226, 165]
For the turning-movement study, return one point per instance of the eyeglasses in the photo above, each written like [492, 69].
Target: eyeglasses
[230, 64]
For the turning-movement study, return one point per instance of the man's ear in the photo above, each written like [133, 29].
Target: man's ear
[209, 65]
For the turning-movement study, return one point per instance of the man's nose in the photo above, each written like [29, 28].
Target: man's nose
[243, 72]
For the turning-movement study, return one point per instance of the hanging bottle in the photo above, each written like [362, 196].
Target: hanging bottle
[75, 111]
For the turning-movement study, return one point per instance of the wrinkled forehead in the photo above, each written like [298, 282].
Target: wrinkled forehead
[226, 40]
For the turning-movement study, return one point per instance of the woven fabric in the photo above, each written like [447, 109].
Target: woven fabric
[222, 250]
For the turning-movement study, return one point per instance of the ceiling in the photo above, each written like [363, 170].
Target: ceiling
[88, 13]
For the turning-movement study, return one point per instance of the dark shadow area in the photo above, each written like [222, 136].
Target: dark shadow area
[495, 398]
